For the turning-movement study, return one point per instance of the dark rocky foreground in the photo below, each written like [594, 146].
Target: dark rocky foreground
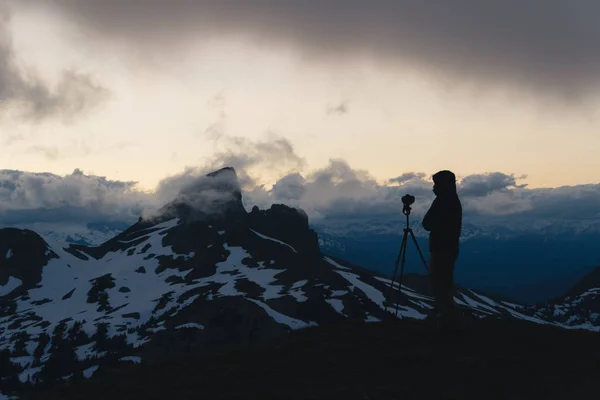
[490, 359]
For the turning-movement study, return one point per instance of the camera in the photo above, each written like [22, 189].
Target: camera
[407, 200]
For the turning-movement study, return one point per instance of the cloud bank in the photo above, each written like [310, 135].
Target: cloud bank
[27, 197]
[334, 194]
[550, 47]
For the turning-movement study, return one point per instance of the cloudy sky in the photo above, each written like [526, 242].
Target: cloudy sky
[301, 96]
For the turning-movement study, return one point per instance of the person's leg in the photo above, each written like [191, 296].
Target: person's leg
[441, 275]
[434, 280]
[446, 267]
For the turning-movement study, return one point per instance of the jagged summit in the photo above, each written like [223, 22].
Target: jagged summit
[213, 203]
[216, 195]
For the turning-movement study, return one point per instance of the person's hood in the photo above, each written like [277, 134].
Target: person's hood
[445, 182]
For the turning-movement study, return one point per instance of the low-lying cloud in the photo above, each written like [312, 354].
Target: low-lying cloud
[244, 155]
[483, 184]
[27, 197]
[335, 194]
[549, 47]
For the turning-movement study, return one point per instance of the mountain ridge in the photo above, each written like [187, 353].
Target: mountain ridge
[200, 274]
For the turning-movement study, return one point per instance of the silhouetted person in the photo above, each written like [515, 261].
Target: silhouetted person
[444, 222]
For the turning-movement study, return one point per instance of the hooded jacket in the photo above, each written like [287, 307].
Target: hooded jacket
[444, 218]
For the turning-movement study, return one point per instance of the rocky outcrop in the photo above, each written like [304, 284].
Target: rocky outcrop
[288, 224]
[23, 254]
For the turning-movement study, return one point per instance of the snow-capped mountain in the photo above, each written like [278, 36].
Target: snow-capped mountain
[580, 307]
[200, 274]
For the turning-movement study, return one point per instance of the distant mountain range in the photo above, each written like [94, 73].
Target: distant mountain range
[204, 273]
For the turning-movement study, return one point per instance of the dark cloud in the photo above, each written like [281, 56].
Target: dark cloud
[32, 99]
[407, 176]
[484, 184]
[550, 46]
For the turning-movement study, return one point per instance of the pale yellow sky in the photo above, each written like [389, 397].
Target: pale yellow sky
[157, 119]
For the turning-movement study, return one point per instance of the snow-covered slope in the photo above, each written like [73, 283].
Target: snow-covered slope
[200, 274]
[580, 308]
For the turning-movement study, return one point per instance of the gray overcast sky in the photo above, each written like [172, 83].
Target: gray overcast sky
[550, 46]
[143, 90]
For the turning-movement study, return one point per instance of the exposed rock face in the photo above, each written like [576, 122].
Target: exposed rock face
[23, 253]
[288, 224]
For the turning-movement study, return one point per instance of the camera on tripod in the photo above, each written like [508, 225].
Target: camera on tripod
[407, 200]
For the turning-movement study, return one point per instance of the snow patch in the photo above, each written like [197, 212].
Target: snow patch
[260, 275]
[395, 285]
[282, 318]
[338, 293]
[409, 312]
[373, 294]
[337, 305]
[194, 325]
[85, 351]
[11, 285]
[475, 304]
[28, 374]
[87, 373]
[297, 292]
[378, 298]
[513, 305]
[133, 359]
[335, 264]
[23, 362]
[260, 235]
[371, 318]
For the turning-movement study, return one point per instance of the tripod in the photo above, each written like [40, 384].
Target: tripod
[407, 200]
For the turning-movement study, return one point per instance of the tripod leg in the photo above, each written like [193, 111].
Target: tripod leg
[412, 234]
[402, 248]
[403, 252]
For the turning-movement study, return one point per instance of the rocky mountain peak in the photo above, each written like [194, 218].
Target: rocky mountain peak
[217, 194]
